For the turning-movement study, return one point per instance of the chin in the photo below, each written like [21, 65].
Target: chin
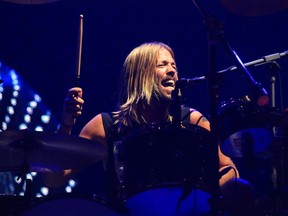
[165, 98]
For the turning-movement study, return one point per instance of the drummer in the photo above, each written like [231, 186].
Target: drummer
[150, 73]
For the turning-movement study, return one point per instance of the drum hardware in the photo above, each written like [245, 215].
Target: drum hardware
[215, 33]
[41, 152]
[259, 95]
[175, 106]
[260, 159]
[243, 123]
[280, 152]
[27, 151]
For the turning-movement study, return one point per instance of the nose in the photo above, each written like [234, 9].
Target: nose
[171, 71]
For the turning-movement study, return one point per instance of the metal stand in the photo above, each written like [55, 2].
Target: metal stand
[274, 68]
[259, 94]
[214, 30]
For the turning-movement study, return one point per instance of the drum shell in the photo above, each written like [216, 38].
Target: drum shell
[69, 204]
[166, 170]
[165, 156]
[242, 121]
[169, 201]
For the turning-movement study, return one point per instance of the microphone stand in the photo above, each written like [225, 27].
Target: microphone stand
[265, 59]
[175, 106]
[215, 35]
[268, 59]
[274, 67]
[214, 29]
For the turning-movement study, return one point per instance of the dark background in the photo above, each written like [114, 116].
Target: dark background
[40, 43]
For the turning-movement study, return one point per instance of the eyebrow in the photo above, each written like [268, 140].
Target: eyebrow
[165, 61]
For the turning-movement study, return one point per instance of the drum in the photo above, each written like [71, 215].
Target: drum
[169, 201]
[165, 171]
[69, 205]
[244, 127]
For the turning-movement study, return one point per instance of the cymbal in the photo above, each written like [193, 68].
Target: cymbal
[255, 7]
[30, 2]
[40, 151]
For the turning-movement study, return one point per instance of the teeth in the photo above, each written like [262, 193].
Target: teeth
[168, 83]
[171, 82]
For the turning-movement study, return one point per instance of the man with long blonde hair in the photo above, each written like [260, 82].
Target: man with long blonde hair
[137, 177]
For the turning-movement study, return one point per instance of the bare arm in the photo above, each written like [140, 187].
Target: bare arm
[224, 161]
[71, 110]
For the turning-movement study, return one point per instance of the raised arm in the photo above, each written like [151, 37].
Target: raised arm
[72, 108]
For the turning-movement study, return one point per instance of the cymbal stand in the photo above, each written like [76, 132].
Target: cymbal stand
[26, 143]
[215, 35]
[214, 29]
[279, 131]
[274, 67]
[28, 182]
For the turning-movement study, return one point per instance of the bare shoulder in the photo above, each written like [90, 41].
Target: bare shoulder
[94, 130]
[197, 117]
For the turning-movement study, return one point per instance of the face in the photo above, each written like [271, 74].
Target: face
[166, 72]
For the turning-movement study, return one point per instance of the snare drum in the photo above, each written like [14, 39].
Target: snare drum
[244, 127]
[164, 171]
[69, 205]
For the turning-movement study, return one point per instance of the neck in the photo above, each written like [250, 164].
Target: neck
[156, 112]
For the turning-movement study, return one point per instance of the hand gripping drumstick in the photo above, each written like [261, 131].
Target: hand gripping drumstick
[77, 78]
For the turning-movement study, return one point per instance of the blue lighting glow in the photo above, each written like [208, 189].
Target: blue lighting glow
[37, 98]
[45, 119]
[23, 108]
[23, 126]
[13, 101]
[33, 104]
[10, 110]
[38, 128]
[27, 118]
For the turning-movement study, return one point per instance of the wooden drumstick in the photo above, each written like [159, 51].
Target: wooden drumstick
[77, 81]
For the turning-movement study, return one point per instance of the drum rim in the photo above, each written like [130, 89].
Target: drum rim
[232, 102]
[192, 128]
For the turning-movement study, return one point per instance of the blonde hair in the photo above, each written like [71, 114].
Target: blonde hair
[140, 82]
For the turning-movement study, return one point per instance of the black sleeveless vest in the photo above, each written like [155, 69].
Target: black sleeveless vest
[116, 193]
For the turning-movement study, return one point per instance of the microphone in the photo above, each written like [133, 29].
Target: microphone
[184, 82]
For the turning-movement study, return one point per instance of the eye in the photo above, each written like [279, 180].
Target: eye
[161, 65]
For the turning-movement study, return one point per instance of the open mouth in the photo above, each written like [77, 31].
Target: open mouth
[168, 83]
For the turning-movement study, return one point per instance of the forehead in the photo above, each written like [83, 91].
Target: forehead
[164, 54]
